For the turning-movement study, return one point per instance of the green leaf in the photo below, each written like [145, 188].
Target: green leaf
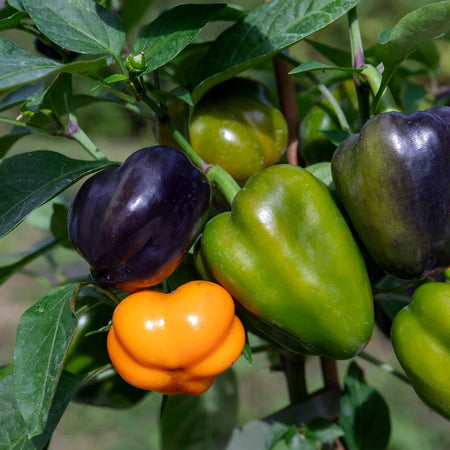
[309, 66]
[18, 67]
[266, 30]
[299, 442]
[20, 95]
[247, 352]
[115, 78]
[427, 54]
[68, 384]
[7, 141]
[364, 414]
[58, 224]
[43, 337]
[197, 422]
[12, 425]
[5, 371]
[133, 11]
[17, 4]
[325, 430]
[342, 58]
[410, 32]
[231, 13]
[12, 20]
[172, 31]
[34, 101]
[7, 271]
[413, 96]
[322, 171]
[258, 433]
[57, 96]
[31, 179]
[277, 433]
[82, 26]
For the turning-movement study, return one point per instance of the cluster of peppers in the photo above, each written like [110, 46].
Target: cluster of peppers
[285, 252]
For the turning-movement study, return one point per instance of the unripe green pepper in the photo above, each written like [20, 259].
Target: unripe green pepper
[236, 126]
[287, 255]
[314, 145]
[421, 339]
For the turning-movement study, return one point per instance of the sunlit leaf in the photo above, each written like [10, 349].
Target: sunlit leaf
[43, 337]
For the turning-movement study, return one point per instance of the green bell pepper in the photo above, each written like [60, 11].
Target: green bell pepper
[421, 339]
[236, 126]
[287, 255]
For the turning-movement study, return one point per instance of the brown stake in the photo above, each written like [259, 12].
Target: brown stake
[288, 105]
[329, 372]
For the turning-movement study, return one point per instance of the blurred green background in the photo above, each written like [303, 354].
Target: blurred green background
[262, 391]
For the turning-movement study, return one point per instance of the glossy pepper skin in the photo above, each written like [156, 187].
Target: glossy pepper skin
[393, 179]
[236, 126]
[88, 352]
[176, 343]
[314, 145]
[135, 223]
[421, 340]
[285, 253]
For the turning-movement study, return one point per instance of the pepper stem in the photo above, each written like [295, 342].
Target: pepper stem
[384, 366]
[337, 110]
[357, 50]
[294, 369]
[215, 174]
[373, 77]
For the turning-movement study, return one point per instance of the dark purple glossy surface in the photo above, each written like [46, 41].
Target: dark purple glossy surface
[394, 181]
[137, 221]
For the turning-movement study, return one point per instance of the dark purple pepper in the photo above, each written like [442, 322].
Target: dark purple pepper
[135, 223]
[394, 181]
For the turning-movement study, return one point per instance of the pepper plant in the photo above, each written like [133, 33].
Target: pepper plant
[230, 237]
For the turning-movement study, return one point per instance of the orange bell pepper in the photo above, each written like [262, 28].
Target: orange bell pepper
[175, 343]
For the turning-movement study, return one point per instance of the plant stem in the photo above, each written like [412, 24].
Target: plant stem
[355, 39]
[109, 294]
[76, 133]
[373, 77]
[411, 284]
[357, 50]
[42, 250]
[186, 147]
[294, 370]
[384, 366]
[215, 174]
[224, 181]
[329, 372]
[19, 123]
[334, 105]
[121, 95]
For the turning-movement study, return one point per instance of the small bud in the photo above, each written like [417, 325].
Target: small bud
[135, 63]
